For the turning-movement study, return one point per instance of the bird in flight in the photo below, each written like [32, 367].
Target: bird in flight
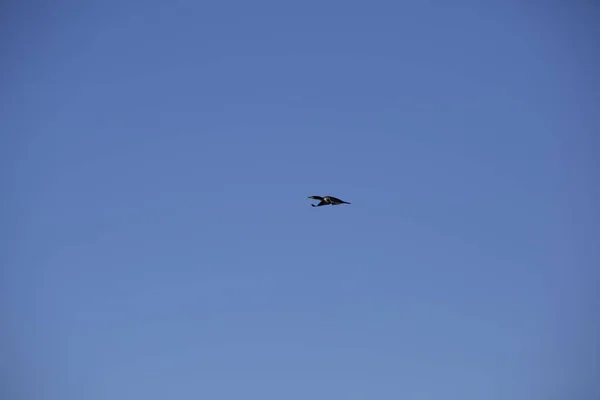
[327, 200]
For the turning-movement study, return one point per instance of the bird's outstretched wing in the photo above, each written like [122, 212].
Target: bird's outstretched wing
[315, 197]
[321, 203]
[336, 200]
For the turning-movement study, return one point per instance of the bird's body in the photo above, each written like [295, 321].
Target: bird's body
[327, 200]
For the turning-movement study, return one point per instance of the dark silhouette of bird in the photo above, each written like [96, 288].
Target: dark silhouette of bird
[327, 200]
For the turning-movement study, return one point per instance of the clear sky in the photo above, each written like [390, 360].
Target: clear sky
[157, 239]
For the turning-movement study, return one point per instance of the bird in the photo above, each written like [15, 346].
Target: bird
[327, 200]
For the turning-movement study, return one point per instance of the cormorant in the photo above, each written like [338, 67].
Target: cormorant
[327, 200]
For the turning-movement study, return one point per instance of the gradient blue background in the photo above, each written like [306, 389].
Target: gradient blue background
[157, 242]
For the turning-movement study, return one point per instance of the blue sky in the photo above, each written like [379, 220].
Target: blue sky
[157, 239]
